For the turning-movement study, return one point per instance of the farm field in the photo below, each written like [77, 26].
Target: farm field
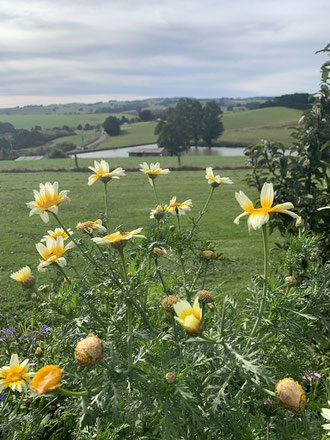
[130, 200]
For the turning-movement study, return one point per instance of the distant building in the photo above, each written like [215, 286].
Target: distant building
[148, 152]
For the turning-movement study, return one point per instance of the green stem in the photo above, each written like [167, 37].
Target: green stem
[264, 291]
[178, 219]
[106, 210]
[205, 272]
[160, 275]
[129, 314]
[155, 192]
[68, 393]
[202, 212]
[17, 407]
[195, 279]
[63, 273]
[75, 242]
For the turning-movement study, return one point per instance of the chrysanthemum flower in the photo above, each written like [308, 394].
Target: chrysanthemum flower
[326, 414]
[159, 212]
[89, 226]
[215, 180]
[24, 276]
[102, 172]
[46, 380]
[15, 375]
[190, 318]
[179, 208]
[153, 170]
[58, 232]
[47, 200]
[53, 252]
[260, 216]
[117, 239]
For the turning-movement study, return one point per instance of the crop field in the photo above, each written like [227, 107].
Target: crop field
[130, 199]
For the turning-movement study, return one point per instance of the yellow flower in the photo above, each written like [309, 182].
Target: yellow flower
[326, 414]
[190, 318]
[90, 225]
[290, 394]
[102, 172]
[53, 252]
[215, 180]
[153, 170]
[159, 212]
[15, 375]
[179, 208]
[47, 379]
[260, 216]
[24, 276]
[117, 239]
[47, 200]
[57, 233]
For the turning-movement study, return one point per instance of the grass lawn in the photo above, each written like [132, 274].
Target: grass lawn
[131, 199]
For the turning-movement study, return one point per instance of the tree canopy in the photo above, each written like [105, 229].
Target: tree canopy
[112, 126]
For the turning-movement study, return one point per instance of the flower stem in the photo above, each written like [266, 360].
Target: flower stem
[106, 208]
[63, 273]
[203, 211]
[160, 275]
[84, 254]
[178, 219]
[129, 314]
[264, 291]
[196, 278]
[68, 393]
[155, 192]
[205, 272]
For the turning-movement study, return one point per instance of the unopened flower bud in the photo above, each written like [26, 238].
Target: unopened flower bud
[89, 351]
[158, 252]
[159, 213]
[208, 255]
[172, 228]
[299, 222]
[291, 280]
[204, 296]
[290, 394]
[170, 377]
[38, 351]
[28, 282]
[168, 303]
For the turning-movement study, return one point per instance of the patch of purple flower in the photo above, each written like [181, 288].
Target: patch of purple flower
[310, 375]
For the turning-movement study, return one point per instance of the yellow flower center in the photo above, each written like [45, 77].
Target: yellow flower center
[46, 202]
[13, 375]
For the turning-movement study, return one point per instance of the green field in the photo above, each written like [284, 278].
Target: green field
[131, 199]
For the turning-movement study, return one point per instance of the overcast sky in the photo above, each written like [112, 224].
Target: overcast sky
[67, 50]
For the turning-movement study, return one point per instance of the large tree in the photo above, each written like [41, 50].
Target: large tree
[112, 126]
[173, 133]
[192, 112]
[212, 126]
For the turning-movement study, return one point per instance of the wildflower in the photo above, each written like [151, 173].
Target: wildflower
[47, 200]
[169, 302]
[179, 208]
[290, 394]
[38, 351]
[159, 212]
[7, 333]
[89, 351]
[89, 226]
[310, 375]
[58, 232]
[158, 252]
[102, 172]
[24, 276]
[153, 170]
[291, 280]
[46, 380]
[204, 296]
[260, 216]
[118, 240]
[53, 252]
[15, 375]
[208, 255]
[43, 288]
[326, 414]
[170, 377]
[299, 222]
[3, 397]
[190, 318]
[215, 180]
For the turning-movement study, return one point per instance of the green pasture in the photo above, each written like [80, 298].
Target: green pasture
[260, 117]
[124, 162]
[131, 198]
[57, 120]
[132, 134]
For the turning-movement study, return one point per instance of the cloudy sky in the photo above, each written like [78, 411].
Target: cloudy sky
[68, 50]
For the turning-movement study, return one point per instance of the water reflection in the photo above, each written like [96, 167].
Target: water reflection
[193, 151]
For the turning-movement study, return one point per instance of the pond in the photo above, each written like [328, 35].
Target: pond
[193, 151]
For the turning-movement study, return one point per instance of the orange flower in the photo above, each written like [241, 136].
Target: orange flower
[47, 379]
